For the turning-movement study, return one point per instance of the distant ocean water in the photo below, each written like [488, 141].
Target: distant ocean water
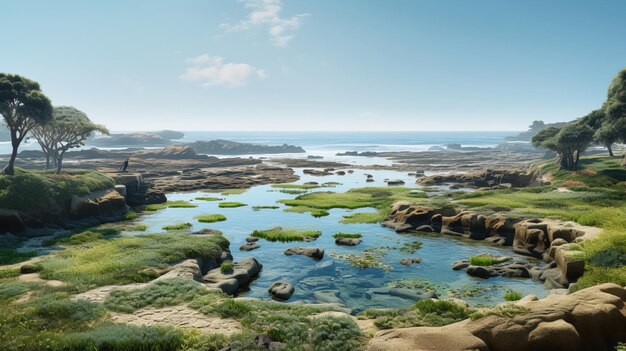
[329, 143]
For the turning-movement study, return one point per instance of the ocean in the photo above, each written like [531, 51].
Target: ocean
[328, 144]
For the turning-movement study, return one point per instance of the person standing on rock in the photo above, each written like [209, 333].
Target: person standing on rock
[124, 165]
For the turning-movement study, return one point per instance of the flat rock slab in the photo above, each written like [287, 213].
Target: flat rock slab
[178, 316]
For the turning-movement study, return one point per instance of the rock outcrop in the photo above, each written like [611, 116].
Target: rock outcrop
[11, 222]
[242, 274]
[226, 147]
[491, 178]
[313, 252]
[549, 240]
[590, 319]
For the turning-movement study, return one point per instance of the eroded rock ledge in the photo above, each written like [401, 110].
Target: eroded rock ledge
[549, 240]
[590, 319]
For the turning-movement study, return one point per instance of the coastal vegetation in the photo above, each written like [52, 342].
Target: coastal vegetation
[205, 198]
[170, 204]
[258, 208]
[284, 234]
[347, 235]
[424, 313]
[231, 204]
[177, 226]
[210, 218]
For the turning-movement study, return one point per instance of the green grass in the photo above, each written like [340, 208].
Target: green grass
[130, 215]
[231, 204]
[365, 217]
[293, 191]
[178, 226]
[380, 198]
[601, 203]
[168, 292]
[209, 199]
[138, 228]
[286, 323]
[233, 191]
[511, 295]
[24, 190]
[12, 256]
[315, 212]
[227, 267]
[170, 204]
[210, 218]
[347, 235]
[296, 186]
[258, 208]
[125, 260]
[281, 234]
[76, 239]
[425, 313]
[483, 260]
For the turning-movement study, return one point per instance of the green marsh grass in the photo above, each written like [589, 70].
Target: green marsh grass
[281, 234]
[210, 218]
[177, 226]
[231, 204]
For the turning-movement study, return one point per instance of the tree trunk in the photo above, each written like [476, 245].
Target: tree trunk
[59, 164]
[47, 160]
[10, 168]
[610, 150]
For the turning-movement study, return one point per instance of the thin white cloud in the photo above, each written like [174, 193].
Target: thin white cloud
[212, 70]
[266, 13]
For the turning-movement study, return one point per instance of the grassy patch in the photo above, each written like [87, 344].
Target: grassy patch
[315, 212]
[231, 204]
[281, 234]
[483, 260]
[126, 260]
[12, 256]
[347, 235]
[431, 313]
[258, 208]
[24, 190]
[227, 267]
[296, 186]
[76, 239]
[130, 215]
[168, 292]
[511, 295]
[233, 191]
[210, 218]
[178, 226]
[168, 204]
[138, 228]
[365, 217]
[209, 199]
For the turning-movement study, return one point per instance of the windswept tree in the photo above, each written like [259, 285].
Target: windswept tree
[616, 107]
[607, 134]
[22, 106]
[69, 128]
[568, 142]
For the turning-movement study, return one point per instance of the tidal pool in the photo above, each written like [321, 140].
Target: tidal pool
[320, 281]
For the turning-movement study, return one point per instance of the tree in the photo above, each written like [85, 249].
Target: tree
[607, 135]
[615, 106]
[69, 128]
[22, 106]
[568, 142]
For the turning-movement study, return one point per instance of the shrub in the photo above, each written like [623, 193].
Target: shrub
[511, 295]
[119, 337]
[11, 256]
[570, 183]
[227, 267]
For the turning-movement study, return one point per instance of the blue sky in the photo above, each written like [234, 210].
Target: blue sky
[318, 65]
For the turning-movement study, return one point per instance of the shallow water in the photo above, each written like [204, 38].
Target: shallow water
[352, 284]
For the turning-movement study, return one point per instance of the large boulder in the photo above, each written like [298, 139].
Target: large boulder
[405, 216]
[10, 222]
[570, 262]
[281, 290]
[242, 274]
[102, 203]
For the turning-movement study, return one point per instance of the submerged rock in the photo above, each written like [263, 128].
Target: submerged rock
[348, 241]
[313, 252]
[249, 246]
[410, 261]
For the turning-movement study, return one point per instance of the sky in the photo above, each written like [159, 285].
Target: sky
[322, 65]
